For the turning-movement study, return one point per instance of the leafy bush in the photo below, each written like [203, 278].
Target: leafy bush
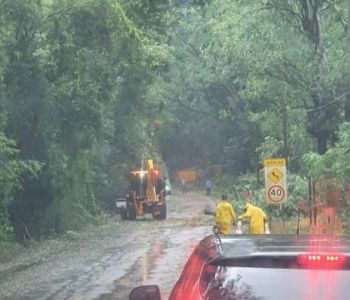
[8, 250]
[236, 187]
[12, 168]
[334, 165]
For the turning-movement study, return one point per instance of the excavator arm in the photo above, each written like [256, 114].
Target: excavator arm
[152, 181]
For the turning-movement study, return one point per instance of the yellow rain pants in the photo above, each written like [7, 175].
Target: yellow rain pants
[256, 217]
[225, 217]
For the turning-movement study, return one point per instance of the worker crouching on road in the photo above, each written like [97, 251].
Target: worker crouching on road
[256, 217]
[225, 215]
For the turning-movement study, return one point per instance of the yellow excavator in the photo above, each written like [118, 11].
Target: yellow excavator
[147, 193]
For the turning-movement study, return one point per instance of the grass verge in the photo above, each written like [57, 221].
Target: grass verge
[8, 250]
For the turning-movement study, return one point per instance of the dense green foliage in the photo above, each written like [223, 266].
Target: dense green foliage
[75, 115]
[88, 87]
[250, 80]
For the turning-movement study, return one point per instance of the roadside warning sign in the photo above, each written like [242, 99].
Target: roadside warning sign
[275, 175]
[275, 180]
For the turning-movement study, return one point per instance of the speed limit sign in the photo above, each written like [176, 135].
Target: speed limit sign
[276, 193]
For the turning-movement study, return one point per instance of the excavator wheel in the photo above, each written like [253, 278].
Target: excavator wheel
[162, 215]
[123, 214]
[159, 212]
[130, 211]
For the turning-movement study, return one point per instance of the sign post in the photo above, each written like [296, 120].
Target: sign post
[275, 180]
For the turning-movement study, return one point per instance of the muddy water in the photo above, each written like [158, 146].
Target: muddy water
[160, 265]
[109, 262]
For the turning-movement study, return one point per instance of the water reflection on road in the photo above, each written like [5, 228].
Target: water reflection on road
[163, 251]
[107, 261]
[161, 264]
[138, 274]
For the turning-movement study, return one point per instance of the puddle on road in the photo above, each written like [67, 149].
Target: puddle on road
[161, 265]
[138, 274]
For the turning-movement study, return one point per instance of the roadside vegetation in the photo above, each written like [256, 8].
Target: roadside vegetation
[88, 87]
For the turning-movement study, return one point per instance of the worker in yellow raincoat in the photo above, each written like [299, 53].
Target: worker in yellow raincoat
[256, 217]
[225, 215]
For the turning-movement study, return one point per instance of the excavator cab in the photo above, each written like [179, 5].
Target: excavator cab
[138, 182]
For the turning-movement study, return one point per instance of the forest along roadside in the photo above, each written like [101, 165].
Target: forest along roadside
[107, 261]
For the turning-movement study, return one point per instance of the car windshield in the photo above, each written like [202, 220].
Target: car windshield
[274, 284]
[278, 267]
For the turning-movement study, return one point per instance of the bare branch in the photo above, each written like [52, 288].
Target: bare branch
[321, 107]
[185, 106]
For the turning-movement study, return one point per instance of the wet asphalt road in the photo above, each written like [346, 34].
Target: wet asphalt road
[112, 259]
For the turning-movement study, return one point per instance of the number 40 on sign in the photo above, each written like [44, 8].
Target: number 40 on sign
[276, 193]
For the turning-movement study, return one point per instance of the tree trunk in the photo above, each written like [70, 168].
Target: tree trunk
[321, 143]
[347, 104]
[312, 28]
[310, 201]
[347, 108]
[348, 30]
[285, 133]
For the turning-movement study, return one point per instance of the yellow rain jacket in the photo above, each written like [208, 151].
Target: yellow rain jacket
[256, 217]
[225, 217]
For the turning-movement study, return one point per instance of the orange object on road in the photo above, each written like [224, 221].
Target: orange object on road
[190, 175]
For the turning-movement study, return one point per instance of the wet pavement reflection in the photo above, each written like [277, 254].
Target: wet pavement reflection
[108, 261]
[165, 253]
[138, 274]
[160, 265]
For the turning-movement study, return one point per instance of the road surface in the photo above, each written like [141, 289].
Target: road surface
[105, 262]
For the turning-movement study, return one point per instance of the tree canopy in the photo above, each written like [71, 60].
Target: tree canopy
[89, 87]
